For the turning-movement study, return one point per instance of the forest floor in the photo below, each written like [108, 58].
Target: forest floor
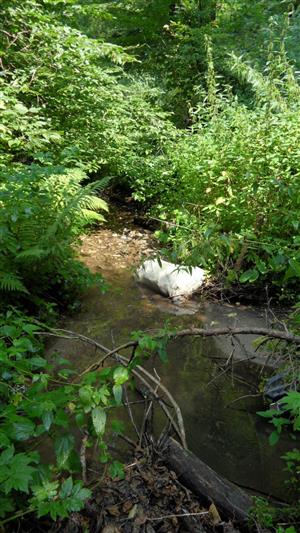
[149, 499]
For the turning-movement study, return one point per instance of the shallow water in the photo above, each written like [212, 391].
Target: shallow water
[225, 433]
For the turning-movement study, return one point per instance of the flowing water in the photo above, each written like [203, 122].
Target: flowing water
[219, 409]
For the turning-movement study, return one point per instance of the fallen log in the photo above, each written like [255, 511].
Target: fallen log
[231, 502]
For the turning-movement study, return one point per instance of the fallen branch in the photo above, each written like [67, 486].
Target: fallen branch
[260, 332]
[137, 371]
[192, 332]
[209, 486]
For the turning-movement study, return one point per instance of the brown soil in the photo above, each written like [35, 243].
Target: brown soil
[121, 245]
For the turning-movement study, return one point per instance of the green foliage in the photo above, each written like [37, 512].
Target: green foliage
[76, 105]
[268, 516]
[287, 415]
[39, 399]
[230, 183]
[148, 345]
[262, 512]
[24, 131]
[43, 212]
[59, 500]
[106, 120]
[234, 201]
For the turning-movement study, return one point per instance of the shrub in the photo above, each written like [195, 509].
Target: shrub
[235, 194]
[43, 212]
[40, 401]
[106, 120]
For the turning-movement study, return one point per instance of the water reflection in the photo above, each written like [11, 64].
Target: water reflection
[225, 433]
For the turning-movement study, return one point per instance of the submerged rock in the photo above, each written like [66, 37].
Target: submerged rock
[174, 281]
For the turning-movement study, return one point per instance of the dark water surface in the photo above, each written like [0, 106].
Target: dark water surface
[225, 433]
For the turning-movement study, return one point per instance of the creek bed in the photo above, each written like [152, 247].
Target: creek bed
[219, 409]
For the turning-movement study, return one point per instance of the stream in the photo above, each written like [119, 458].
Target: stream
[219, 409]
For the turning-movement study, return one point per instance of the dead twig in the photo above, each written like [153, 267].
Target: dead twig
[179, 427]
[177, 516]
[147, 413]
[83, 457]
[127, 404]
[243, 397]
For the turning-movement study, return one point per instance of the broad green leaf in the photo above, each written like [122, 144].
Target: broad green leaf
[117, 392]
[261, 266]
[121, 375]
[46, 490]
[295, 265]
[85, 395]
[269, 413]
[47, 419]
[250, 275]
[23, 429]
[116, 470]
[20, 473]
[63, 447]
[38, 362]
[66, 488]
[21, 109]
[99, 420]
[273, 438]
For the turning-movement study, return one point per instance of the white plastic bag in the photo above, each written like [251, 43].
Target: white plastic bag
[169, 279]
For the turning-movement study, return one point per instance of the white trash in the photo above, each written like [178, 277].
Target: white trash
[170, 280]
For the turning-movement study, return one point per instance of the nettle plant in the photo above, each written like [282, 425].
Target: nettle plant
[43, 402]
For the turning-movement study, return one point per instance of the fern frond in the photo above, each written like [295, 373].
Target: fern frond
[90, 216]
[95, 203]
[83, 200]
[98, 185]
[32, 253]
[31, 231]
[11, 282]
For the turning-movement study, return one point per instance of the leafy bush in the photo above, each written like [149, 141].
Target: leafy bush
[43, 212]
[235, 192]
[46, 403]
[25, 131]
[169, 38]
[105, 119]
[40, 401]
[285, 418]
